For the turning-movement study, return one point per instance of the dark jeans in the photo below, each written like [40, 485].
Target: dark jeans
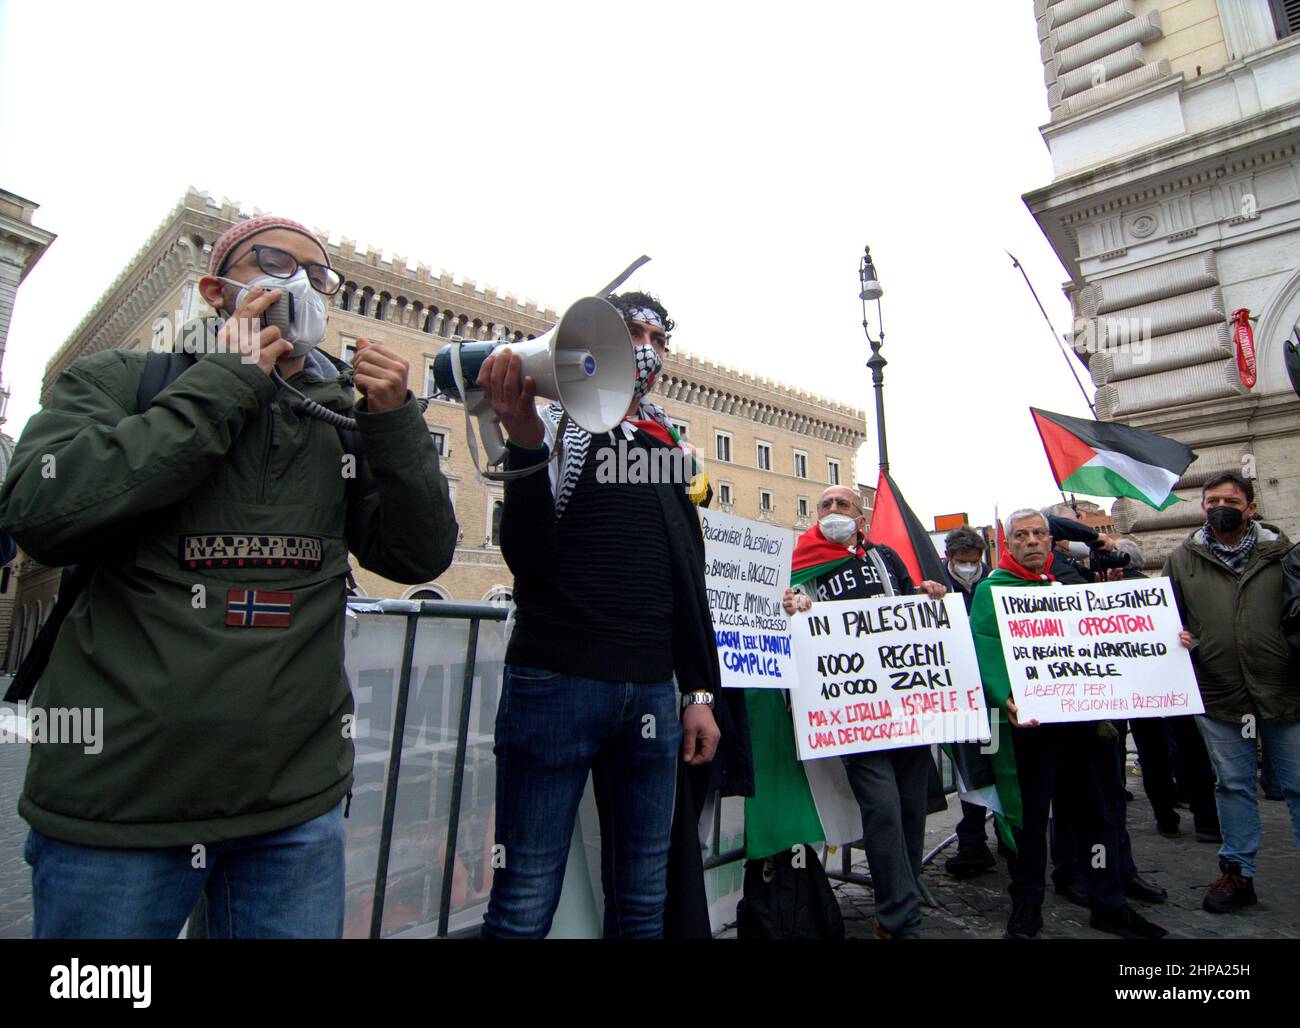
[1070, 761]
[1191, 768]
[552, 730]
[1070, 853]
[891, 787]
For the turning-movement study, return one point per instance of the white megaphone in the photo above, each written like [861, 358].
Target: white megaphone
[586, 362]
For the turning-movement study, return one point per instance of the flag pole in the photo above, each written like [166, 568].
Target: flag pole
[1017, 265]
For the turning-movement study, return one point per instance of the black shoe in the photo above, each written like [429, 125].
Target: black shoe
[1075, 893]
[1137, 889]
[1230, 891]
[1126, 923]
[1169, 829]
[969, 862]
[1128, 796]
[1208, 836]
[1026, 921]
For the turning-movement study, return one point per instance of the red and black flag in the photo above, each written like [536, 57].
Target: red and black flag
[894, 525]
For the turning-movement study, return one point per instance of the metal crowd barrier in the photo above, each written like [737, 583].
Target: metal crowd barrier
[414, 612]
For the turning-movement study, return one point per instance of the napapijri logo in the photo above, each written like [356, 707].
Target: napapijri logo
[246, 550]
[636, 465]
[106, 981]
[81, 726]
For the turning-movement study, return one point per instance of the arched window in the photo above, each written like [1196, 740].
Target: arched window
[497, 507]
[499, 594]
[381, 306]
[431, 315]
[363, 303]
[426, 592]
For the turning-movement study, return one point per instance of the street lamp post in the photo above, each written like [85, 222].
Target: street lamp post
[871, 291]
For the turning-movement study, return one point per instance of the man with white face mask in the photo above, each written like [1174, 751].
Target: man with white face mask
[610, 608]
[216, 519]
[834, 560]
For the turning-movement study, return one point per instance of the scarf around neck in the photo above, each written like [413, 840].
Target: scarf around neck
[1236, 557]
[1009, 563]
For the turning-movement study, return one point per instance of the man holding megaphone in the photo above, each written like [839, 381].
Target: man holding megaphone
[610, 607]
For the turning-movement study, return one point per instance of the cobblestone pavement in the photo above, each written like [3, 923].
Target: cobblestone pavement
[978, 908]
[15, 875]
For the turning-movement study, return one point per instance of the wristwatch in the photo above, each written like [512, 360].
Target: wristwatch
[697, 697]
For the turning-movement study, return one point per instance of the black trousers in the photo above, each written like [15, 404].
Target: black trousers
[1191, 767]
[1070, 852]
[1073, 762]
[970, 829]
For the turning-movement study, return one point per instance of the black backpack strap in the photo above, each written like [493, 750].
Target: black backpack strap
[71, 585]
[160, 371]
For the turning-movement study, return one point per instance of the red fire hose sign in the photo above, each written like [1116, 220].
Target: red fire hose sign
[1245, 340]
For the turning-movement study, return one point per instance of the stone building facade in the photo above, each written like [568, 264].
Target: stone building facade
[1175, 143]
[769, 449]
[22, 244]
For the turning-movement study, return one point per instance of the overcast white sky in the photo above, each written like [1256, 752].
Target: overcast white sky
[750, 148]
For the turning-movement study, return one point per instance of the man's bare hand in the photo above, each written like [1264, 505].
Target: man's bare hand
[794, 601]
[933, 590]
[700, 735]
[243, 332]
[1187, 639]
[512, 396]
[380, 376]
[1013, 714]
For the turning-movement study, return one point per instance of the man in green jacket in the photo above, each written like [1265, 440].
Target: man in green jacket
[1227, 579]
[209, 641]
[1034, 762]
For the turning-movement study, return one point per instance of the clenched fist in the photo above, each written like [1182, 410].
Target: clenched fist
[380, 376]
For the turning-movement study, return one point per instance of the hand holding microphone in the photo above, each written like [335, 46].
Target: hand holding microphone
[243, 332]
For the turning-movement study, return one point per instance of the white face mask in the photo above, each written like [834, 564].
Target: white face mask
[839, 528]
[299, 313]
[966, 572]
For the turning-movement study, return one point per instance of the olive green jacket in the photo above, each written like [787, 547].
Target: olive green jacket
[1244, 661]
[217, 495]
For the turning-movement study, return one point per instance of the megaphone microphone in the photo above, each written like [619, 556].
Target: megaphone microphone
[586, 363]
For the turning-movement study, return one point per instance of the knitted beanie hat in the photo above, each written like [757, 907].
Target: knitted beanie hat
[237, 233]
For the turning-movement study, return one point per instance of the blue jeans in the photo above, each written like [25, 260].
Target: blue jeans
[1232, 753]
[286, 885]
[551, 730]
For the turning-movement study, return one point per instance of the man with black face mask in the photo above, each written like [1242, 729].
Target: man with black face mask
[1227, 578]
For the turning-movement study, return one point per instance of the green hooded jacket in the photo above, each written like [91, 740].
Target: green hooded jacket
[218, 494]
[1244, 661]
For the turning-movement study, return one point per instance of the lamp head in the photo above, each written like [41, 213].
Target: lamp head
[867, 276]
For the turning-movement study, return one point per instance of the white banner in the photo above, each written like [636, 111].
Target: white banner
[746, 572]
[1091, 652]
[883, 674]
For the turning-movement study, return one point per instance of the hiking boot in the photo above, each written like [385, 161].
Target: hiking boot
[1230, 891]
[1127, 923]
[970, 862]
[1026, 921]
[1140, 889]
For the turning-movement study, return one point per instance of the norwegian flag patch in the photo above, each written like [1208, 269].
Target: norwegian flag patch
[258, 608]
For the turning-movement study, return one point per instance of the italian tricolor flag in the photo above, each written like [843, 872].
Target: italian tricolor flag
[1100, 458]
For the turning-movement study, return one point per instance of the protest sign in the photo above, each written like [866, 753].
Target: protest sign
[885, 673]
[1091, 652]
[746, 572]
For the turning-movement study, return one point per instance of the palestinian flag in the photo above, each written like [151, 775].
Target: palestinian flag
[894, 525]
[1100, 458]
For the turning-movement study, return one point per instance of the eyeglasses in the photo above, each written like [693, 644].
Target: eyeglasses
[280, 264]
[840, 504]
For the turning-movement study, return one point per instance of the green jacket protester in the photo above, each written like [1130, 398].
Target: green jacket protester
[211, 634]
[1244, 661]
[997, 684]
